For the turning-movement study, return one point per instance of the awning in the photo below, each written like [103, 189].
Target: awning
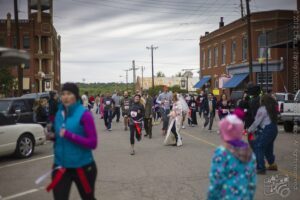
[235, 80]
[13, 57]
[200, 83]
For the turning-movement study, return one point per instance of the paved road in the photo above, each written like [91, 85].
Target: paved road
[156, 172]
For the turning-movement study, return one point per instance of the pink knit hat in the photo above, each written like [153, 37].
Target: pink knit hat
[231, 128]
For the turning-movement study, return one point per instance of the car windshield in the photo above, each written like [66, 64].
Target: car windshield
[280, 97]
[4, 105]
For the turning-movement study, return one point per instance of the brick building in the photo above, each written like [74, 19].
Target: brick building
[39, 37]
[224, 53]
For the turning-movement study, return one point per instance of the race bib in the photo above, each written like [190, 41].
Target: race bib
[126, 107]
[107, 102]
[193, 105]
[133, 113]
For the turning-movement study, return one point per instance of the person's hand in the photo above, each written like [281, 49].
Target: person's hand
[62, 132]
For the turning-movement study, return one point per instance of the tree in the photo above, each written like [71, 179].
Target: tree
[160, 74]
[6, 80]
[179, 74]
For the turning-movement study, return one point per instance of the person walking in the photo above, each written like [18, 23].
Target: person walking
[148, 114]
[97, 103]
[175, 122]
[75, 138]
[232, 174]
[125, 105]
[108, 111]
[137, 113]
[192, 120]
[165, 101]
[117, 99]
[265, 128]
[42, 112]
[85, 100]
[209, 110]
[53, 105]
[224, 106]
[199, 101]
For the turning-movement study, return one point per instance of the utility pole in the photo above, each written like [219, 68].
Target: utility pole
[242, 9]
[249, 41]
[152, 48]
[20, 69]
[126, 78]
[134, 76]
[142, 68]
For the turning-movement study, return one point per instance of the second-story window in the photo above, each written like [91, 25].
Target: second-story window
[244, 48]
[209, 57]
[26, 42]
[233, 51]
[262, 46]
[223, 54]
[203, 59]
[216, 56]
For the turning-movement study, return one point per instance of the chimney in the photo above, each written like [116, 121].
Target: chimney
[206, 33]
[221, 23]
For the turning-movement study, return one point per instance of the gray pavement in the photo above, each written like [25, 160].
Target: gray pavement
[156, 172]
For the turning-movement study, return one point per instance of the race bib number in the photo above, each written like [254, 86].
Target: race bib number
[126, 107]
[133, 113]
[107, 103]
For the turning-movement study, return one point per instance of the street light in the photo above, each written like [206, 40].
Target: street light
[261, 61]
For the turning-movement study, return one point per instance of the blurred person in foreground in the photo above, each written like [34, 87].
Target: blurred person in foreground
[232, 174]
[74, 139]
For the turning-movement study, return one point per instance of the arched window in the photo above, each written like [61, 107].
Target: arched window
[262, 46]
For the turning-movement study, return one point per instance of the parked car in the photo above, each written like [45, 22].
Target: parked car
[291, 113]
[281, 98]
[19, 139]
[40, 95]
[17, 109]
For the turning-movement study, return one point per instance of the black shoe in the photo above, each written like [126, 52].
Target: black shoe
[150, 136]
[261, 171]
[146, 135]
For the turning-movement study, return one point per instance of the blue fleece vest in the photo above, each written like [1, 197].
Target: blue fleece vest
[66, 153]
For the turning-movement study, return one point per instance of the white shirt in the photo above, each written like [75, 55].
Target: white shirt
[85, 100]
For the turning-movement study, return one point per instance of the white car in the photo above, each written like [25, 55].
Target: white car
[19, 139]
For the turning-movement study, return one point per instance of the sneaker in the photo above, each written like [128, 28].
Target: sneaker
[183, 127]
[193, 125]
[109, 129]
[125, 129]
[272, 167]
[261, 171]
[132, 152]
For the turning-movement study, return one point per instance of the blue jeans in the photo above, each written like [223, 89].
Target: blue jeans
[107, 118]
[264, 145]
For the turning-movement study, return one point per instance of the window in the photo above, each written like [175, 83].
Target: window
[209, 58]
[262, 78]
[244, 48]
[26, 42]
[215, 56]
[14, 42]
[262, 46]
[203, 59]
[223, 54]
[233, 51]
[2, 41]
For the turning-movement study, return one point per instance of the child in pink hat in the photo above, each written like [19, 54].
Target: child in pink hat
[233, 167]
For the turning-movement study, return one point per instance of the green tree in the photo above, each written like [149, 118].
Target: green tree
[6, 80]
[160, 74]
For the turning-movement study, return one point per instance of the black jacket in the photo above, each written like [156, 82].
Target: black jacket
[205, 106]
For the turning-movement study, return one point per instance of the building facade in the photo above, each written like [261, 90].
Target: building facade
[39, 37]
[224, 59]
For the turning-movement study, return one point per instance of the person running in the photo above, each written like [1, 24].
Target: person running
[108, 111]
[165, 101]
[75, 138]
[117, 99]
[265, 128]
[148, 114]
[209, 110]
[175, 123]
[125, 105]
[232, 174]
[137, 113]
[192, 120]
[224, 106]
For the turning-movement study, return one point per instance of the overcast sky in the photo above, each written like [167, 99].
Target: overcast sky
[100, 38]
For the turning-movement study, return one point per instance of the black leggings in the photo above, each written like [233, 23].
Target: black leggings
[173, 130]
[62, 190]
[133, 132]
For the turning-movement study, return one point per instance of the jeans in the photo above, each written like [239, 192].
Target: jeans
[209, 118]
[165, 118]
[117, 112]
[200, 111]
[107, 118]
[264, 145]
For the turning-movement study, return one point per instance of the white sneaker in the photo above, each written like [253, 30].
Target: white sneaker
[109, 129]
[183, 127]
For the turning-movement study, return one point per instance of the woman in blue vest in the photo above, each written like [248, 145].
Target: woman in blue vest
[75, 138]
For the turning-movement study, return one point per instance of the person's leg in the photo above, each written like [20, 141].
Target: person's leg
[195, 117]
[118, 114]
[62, 190]
[271, 134]
[166, 120]
[206, 120]
[211, 121]
[125, 122]
[146, 126]
[132, 130]
[150, 127]
[259, 152]
[109, 119]
[173, 130]
[90, 172]
[106, 118]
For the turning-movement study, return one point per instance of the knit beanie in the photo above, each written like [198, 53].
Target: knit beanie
[71, 87]
[231, 128]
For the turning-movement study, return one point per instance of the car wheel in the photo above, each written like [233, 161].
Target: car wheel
[288, 126]
[25, 146]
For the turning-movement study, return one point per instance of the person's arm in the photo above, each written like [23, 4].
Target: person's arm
[216, 175]
[258, 119]
[88, 141]
[158, 99]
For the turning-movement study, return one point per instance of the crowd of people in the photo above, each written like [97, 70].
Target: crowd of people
[234, 164]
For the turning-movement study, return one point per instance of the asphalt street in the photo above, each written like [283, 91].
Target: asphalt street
[156, 172]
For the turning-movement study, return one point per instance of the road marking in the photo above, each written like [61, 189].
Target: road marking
[283, 171]
[23, 193]
[27, 161]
